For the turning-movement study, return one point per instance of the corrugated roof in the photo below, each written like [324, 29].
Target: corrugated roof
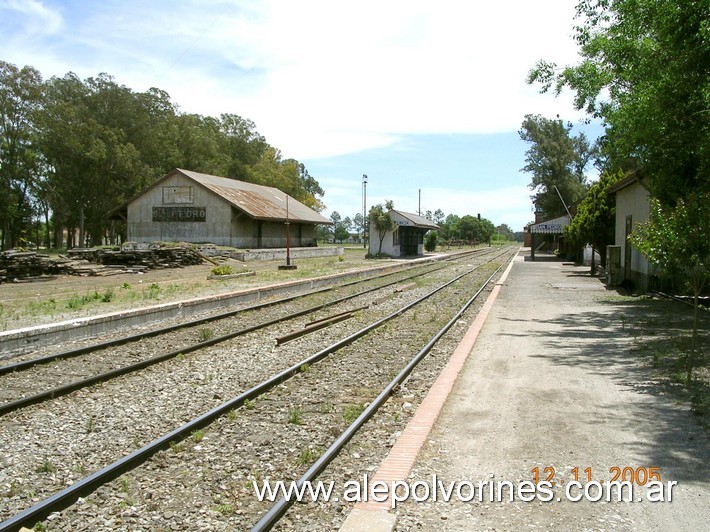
[258, 201]
[417, 221]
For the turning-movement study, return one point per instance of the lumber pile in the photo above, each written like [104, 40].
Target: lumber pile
[17, 266]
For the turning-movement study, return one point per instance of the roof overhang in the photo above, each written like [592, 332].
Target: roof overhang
[555, 226]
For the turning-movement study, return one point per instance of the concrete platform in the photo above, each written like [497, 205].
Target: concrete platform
[547, 380]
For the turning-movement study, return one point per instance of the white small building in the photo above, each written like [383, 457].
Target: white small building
[407, 239]
[633, 206]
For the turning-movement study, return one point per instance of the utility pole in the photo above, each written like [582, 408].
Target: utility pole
[364, 210]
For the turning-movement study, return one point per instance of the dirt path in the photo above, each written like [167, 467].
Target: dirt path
[553, 382]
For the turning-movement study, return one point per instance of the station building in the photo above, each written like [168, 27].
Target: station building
[186, 206]
[407, 239]
[633, 206]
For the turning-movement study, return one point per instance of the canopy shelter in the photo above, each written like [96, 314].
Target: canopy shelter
[555, 226]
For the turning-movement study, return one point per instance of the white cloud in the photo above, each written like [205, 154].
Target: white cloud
[318, 77]
[35, 16]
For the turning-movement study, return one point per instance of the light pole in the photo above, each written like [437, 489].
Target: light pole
[364, 209]
[288, 265]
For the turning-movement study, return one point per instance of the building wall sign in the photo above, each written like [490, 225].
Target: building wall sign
[179, 214]
[551, 227]
[548, 228]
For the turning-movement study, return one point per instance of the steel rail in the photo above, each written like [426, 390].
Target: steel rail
[25, 364]
[59, 391]
[279, 509]
[68, 496]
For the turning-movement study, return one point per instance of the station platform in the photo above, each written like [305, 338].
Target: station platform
[545, 384]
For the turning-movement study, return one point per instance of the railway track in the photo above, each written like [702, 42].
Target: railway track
[352, 361]
[91, 364]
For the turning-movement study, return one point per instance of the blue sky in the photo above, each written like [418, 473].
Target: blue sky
[415, 94]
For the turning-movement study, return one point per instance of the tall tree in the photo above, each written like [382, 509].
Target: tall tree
[593, 223]
[21, 99]
[645, 71]
[242, 144]
[555, 158]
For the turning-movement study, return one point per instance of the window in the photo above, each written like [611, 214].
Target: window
[395, 237]
[178, 195]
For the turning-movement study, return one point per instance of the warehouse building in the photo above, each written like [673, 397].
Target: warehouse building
[187, 206]
[407, 238]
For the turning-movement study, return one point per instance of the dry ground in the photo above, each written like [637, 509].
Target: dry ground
[66, 297]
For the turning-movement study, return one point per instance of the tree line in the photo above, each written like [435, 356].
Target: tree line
[467, 228]
[645, 74]
[71, 150]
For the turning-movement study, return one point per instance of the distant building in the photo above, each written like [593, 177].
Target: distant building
[187, 206]
[535, 234]
[407, 239]
[633, 206]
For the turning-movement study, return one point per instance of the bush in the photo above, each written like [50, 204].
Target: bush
[225, 269]
[430, 240]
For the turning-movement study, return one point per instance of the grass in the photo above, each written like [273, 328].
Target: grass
[46, 467]
[307, 456]
[295, 415]
[205, 334]
[352, 412]
[86, 296]
[662, 338]
[224, 509]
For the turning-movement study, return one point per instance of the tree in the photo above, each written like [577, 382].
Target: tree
[359, 224]
[379, 217]
[677, 239]
[21, 99]
[341, 233]
[593, 223]
[450, 227]
[505, 231]
[555, 159]
[645, 71]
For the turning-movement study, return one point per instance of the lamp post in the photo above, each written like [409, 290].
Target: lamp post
[288, 265]
[364, 209]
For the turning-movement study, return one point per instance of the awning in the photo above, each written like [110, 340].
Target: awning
[551, 227]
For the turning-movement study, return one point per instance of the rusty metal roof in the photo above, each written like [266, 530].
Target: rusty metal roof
[416, 220]
[258, 201]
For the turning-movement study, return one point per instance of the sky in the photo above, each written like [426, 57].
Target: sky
[423, 97]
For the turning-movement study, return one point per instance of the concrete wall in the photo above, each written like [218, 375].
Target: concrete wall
[633, 200]
[219, 222]
[280, 254]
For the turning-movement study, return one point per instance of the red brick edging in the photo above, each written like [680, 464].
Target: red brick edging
[403, 455]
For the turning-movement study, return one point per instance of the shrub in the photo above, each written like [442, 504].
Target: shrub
[430, 240]
[224, 269]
